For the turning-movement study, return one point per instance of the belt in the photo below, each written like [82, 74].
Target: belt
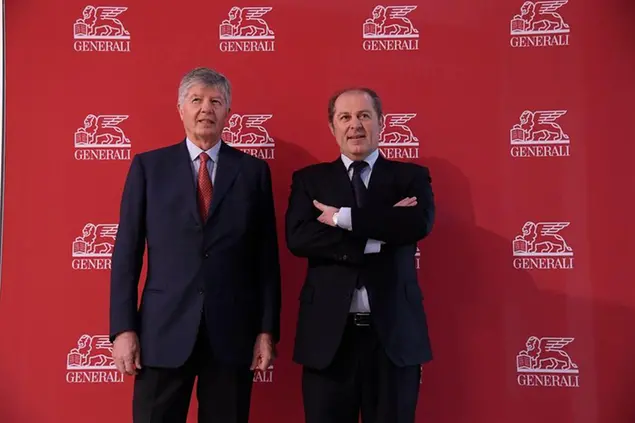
[360, 319]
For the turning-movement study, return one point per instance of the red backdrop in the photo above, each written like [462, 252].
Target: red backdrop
[522, 111]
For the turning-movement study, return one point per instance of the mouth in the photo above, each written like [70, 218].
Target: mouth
[205, 121]
[357, 137]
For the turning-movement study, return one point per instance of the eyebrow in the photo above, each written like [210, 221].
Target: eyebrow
[348, 113]
[216, 97]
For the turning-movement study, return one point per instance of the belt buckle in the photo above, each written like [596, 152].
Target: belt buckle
[361, 319]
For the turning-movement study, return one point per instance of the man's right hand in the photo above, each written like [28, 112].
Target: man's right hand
[407, 202]
[126, 352]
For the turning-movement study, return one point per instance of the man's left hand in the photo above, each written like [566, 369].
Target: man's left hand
[264, 352]
[327, 213]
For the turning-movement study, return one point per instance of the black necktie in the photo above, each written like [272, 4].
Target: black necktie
[360, 195]
[358, 185]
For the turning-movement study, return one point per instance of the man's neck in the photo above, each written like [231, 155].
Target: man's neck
[204, 144]
[355, 157]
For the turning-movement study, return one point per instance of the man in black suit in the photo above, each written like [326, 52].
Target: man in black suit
[210, 306]
[362, 332]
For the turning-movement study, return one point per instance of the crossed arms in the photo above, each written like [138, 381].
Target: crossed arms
[311, 232]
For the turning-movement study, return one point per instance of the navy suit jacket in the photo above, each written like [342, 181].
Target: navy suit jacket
[226, 268]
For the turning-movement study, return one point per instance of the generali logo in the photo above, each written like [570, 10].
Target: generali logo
[102, 138]
[545, 362]
[541, 246]
[389, 28]
[246, 30]
[247, 133]
[538, 134]
[92, 250]
[264, 377]
[90, 361]
[396, 139]
[540, 24]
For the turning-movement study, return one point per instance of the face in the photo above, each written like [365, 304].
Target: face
[204, 114]
[356, 125]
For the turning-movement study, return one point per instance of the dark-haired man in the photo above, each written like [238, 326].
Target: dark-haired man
[362, 332]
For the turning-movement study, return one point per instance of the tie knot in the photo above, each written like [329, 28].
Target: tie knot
[204, 157]
[358, 165]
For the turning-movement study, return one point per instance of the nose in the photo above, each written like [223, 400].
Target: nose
[206, 106]
[355, 122]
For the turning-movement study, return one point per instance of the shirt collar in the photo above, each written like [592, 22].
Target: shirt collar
[195, 151]
[370, 159]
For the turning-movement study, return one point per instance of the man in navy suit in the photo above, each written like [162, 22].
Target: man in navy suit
[210, 307]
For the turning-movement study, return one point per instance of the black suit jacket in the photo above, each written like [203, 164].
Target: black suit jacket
[226, 267]
[336, 259]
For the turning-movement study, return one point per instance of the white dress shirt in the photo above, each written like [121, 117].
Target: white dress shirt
[195, 151]
[360, 303]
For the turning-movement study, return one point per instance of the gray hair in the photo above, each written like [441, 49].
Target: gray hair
[208, 77]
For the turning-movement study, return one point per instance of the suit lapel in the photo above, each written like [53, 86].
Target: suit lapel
[186, 179]
[228, 166]
[343, 189]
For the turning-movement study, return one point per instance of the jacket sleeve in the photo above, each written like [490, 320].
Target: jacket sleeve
[307, 237]
[127, 257]
[269, 264]
[399, 225]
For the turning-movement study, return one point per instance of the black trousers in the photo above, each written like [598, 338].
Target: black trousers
[223, 392]
[360, 378]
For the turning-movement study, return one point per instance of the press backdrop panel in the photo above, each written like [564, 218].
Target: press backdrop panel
[522, 110]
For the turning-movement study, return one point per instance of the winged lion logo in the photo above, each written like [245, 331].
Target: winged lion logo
[390, 22]
[100, 131]
[97, 240]
[542, 239]
[92, 352]
[101, 23]
[539, 17]
[247, 131]
[395, 132]
[546, 355]
[539, 127]
[246, 23]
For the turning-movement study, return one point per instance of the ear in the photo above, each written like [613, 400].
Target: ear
[228, 115]
[381, 120]
[180, 110]
[332, 128]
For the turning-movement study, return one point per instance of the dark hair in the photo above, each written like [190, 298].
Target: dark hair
[373, 95]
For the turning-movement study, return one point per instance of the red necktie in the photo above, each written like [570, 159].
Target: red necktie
[204, 187]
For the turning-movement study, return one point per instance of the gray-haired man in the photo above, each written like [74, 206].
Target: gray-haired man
[210, 306]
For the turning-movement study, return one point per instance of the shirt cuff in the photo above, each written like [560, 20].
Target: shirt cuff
[344, 218]
[372, 246]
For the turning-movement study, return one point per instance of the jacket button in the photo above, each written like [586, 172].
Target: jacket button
[206, 255]
[201, 291]
[344, 257]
